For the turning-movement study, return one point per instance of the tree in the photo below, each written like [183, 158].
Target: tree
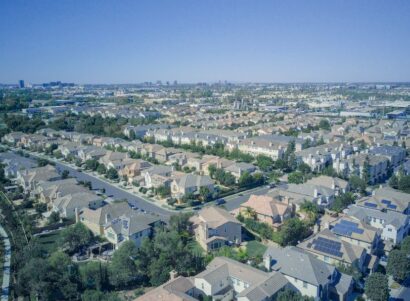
[404, 184]
[366, 170]
[281, 164]
[42, 162]
[212, 170]
[94, 275]
[205, 194]
[398, 265]
[93, 295]
[245, 179]
[306, 143]
[394, 182]
[64, 174]
[357, 184]
[311, 209]
[74, 237]
[324, 124]
[304, 168]
[296, 177]
[293, 231]
[265, 163]
[377, 287]
[405, 245]
[163, 191]
[180, 222]
[123, 270]
[342, 201]
[91, 164]
[53, 218]
[112, 174]
[101, 169]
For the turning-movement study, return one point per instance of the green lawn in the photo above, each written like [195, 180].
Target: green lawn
[49, 241]
[255, 249]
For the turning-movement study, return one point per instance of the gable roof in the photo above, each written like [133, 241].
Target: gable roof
[214, 217]
[299, 264]
[110, 211]
[347, 252]
[265, 205]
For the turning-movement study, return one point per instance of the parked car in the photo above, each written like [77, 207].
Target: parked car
[220, 202]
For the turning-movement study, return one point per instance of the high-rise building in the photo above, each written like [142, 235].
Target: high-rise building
[21, 83]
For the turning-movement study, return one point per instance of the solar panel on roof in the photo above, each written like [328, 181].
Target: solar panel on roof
[370, 205]
[387, 202]
[391, 206]
[345, 222]
[341, 230]
[346, 228]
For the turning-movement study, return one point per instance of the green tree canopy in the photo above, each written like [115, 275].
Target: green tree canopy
[377, 287]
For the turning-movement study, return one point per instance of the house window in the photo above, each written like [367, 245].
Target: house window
[305, 285]
[326, 258]
[389, 229]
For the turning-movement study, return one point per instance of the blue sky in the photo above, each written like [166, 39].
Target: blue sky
[86, 41]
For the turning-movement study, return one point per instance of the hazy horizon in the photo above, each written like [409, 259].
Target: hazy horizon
[110, 42]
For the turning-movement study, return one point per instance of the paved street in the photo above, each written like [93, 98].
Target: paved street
[111, 190]
[6, 266]
[232, 202]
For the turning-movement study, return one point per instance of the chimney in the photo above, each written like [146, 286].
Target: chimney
[106, 218]
[315, 193]
[77, 215]
[173, 274]
[267, 260]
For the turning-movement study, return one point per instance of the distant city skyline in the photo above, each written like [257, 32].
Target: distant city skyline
[127, 42]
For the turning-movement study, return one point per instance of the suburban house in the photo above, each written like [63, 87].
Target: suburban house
[50, 190]
[339, 186]
[91, 152]
[31, 178]
[307, 274]
[158, 175]
[97, 219]
[68, 204]
[176, 289]
[273, 146]
[239, 168]
[112, 158]
[394, 225]
[214, 227]
[190, 184]
[318, 157]
[227, 279]
[297, 194]
[266, 209]
[328, 247]
[133, 168]
[386, 198]
[132, 226]
[13, 138]
[356, 165]
[395, 154]
[356, 233]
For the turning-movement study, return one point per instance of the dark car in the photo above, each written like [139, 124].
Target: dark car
[220, 202]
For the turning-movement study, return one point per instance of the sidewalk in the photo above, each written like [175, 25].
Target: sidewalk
[6, 265]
